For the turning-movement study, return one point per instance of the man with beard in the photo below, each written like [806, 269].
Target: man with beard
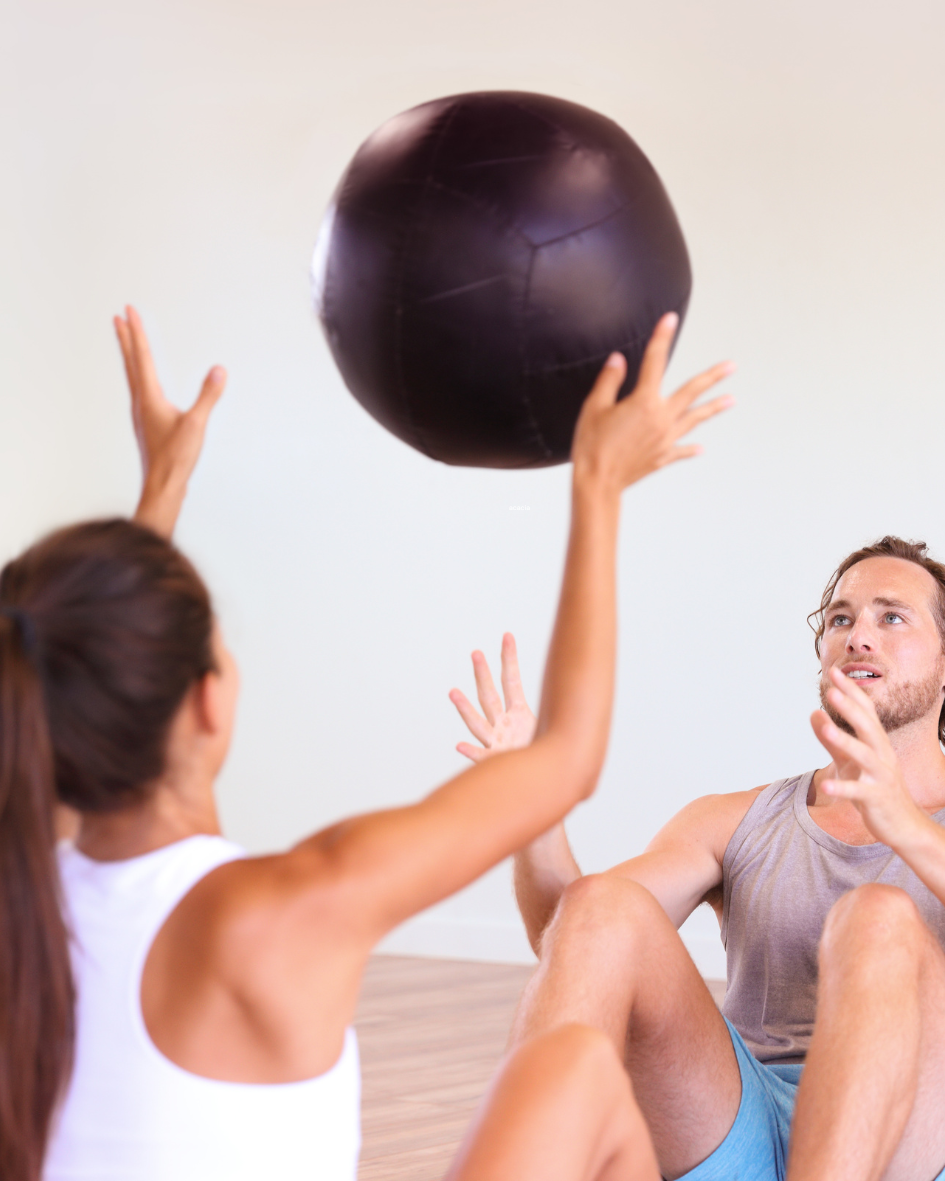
[829, 887]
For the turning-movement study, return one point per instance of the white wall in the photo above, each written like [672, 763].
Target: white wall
[180, 155]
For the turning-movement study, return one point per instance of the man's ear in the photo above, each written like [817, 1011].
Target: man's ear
[209, 703]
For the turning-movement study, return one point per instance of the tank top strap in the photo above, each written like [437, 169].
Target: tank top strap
[136, 895]
[767, 808]
[131, 1114]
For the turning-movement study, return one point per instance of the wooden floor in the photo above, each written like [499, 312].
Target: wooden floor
[431, 1034]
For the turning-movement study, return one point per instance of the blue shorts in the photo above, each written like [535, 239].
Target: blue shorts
[756, 1146]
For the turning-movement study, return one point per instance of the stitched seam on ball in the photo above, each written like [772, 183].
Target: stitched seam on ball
[500, 160]
[591, 225]
[419, 436]
[523, 366]
[601, 357]
[478, 203]
[520, 106]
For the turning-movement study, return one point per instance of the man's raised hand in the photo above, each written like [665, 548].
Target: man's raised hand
[621, 442]
[868, 771]
[170, 440]
[507, 726]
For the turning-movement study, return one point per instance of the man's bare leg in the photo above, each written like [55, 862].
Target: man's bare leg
[872, 1094]
[561, 1109]
[611, 959]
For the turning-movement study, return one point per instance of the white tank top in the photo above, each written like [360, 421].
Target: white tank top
[129, 1113]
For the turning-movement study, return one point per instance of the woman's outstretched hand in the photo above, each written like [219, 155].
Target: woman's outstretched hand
[170, 440]
[504, 727]
[619, 443]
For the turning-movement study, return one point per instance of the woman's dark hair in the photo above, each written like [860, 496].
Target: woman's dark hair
[887, 547]
[103, 628]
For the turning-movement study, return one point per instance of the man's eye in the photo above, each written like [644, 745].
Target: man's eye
[892, 617]
[839, 620]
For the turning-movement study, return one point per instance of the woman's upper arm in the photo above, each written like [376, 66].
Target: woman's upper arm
[389, 865]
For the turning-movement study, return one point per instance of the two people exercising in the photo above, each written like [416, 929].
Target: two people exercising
[830, 890]
[232, 948]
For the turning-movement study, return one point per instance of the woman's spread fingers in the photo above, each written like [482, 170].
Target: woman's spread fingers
[474, 753]
[697, 386]
[210, 392]
[703, 412]
[609, 380]
[656, 356]
[144, 361]
[676, 453]
[127, 353]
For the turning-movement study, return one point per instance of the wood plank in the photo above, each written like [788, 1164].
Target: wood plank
[432, 1033]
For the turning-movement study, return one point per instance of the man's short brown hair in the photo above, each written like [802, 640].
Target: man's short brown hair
[887, 547]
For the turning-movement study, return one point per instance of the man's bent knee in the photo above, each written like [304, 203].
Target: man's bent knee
[603, 906]
[877, 915]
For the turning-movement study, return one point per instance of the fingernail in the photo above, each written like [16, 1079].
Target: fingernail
[671, 319]
[217, 373]
[729, 367]
[614, 361]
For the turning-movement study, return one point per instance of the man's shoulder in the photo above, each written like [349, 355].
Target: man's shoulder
[732, 803]
[709, 820]
[725, 803]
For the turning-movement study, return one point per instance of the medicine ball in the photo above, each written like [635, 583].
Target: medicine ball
[481, 257]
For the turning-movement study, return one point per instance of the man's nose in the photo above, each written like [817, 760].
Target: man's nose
[861, 638]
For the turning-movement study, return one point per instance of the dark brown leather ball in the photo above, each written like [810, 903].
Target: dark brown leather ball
[481, 257]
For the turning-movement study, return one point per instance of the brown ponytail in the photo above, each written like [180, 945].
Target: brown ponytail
[36, 1001]
[103, 628]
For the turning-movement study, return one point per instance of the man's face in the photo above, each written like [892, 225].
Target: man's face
[880, 629]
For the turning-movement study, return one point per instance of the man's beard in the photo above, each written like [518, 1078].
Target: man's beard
[903, 705]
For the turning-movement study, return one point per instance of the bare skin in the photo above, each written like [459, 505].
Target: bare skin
[228, 986]
[169, 442]
[560, 1109]
[610, 956]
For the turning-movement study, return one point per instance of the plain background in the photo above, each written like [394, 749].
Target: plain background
[180, 156]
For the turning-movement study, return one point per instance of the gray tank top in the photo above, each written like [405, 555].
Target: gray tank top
[781, 874]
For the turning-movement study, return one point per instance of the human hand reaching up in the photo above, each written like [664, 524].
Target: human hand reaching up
[504, 727]
[867, 771]
[618, 443]
[170, 440]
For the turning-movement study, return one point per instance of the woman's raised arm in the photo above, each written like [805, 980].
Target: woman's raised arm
[389, 865]
[170, 440]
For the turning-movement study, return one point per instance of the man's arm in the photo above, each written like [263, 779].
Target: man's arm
[680, 866]
[546, 866]
[170, 440]
[683, 862]
[542, 872]
[867, 772]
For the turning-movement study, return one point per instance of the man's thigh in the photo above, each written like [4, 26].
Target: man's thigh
[612, 959]
[679, 1054]
[921, 1152]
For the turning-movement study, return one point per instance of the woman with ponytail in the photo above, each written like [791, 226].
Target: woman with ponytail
[172, 1009]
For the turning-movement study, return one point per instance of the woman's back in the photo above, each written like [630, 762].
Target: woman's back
[129, 1112]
